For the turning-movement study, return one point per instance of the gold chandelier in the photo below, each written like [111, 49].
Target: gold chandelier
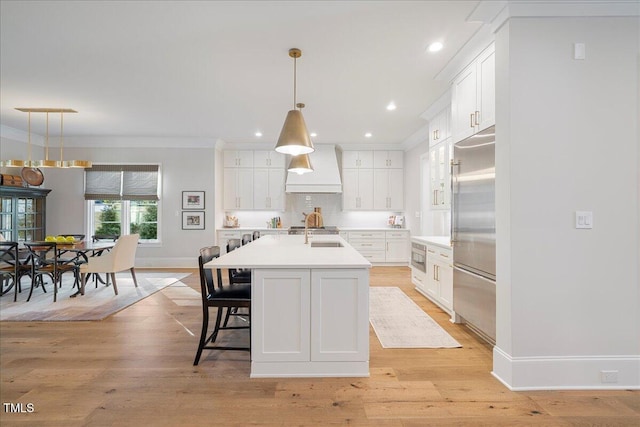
[294, 138]
[46, 163]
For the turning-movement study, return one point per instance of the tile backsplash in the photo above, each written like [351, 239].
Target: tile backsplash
[332, 213]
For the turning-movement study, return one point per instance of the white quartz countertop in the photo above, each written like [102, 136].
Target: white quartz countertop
[442, 241]
[289, 251]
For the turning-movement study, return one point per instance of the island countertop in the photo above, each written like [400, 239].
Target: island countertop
[289, 251]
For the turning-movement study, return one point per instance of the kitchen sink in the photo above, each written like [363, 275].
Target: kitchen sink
[326, 245]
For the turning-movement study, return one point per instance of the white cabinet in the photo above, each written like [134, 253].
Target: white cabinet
[357, 159]
[388, 185]
[370, 244]
[439, 127]
[238, 188]
[268, 189]
[357, 189]
[307, 315]
[397, 246]
[238, 158]
[473, 97]
[388, 159]
[438, 284]
[440, 175]
[268, 159]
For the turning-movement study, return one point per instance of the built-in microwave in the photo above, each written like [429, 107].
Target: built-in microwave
[419, 256]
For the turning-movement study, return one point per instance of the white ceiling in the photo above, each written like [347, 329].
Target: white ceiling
[220, 70]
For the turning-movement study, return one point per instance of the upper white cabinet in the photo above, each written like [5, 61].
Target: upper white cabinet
[440, 127]
[254, 180]
[357, 189]
[238, 159]
[268, 159]
[388, 185]
[473, 97]
[238, 188]
[388, 159]
[373, 180]
[357, 159]
[268, 189]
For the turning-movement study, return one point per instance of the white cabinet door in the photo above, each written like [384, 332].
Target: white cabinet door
[238, 188]
[445, 278]
[397, 246]
[440, 175]
[486, 91]
[238, 158]
[439, 277]
[432, 287]
[268, 189]
[357, 189]
[439, 127]
[357, 159]
[388, 159]
[268, 159]
[473, 97]
[339, 315]
[389, 189]
[281, 321]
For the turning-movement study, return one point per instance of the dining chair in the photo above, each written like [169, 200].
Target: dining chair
[256, 235]
[240, 276]
[105, 237]
[219, 296]
[246, 238]
[121, 257]
[12, 268]
[45, 261]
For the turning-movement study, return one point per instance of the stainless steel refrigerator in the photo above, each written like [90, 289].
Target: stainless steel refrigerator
[473, 232]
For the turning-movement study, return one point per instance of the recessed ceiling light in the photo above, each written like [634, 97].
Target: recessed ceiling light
[391, 106]
[313, 134]
[435, 47]
[258, 134]
[367, 135]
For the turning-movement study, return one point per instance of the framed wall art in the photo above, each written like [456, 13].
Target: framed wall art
[193, 220]
[193, 200]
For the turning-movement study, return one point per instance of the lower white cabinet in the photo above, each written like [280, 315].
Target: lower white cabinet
[437, 282]
[225, 235]
[301, 316]
[397, 246]
[381, 246]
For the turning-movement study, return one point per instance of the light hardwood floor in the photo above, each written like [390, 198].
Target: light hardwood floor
[135, 368]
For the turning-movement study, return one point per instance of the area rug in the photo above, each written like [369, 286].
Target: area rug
[400, 323]
[96, 304]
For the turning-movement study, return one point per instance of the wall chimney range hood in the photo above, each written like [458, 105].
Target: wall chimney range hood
[326, 175]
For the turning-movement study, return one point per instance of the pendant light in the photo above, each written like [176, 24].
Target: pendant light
[294, 137]
[301, 163]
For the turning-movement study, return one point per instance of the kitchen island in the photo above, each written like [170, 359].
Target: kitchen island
[309, 306]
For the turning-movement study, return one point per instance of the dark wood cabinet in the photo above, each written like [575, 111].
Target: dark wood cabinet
[23, 213]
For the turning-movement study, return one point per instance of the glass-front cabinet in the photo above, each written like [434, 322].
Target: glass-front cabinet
[23, 213]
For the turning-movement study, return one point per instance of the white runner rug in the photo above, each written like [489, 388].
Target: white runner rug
[400, 323]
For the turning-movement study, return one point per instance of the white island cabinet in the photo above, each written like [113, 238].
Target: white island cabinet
[309, 306]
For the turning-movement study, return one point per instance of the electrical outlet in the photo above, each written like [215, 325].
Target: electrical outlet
[609, 376]
[417, 214]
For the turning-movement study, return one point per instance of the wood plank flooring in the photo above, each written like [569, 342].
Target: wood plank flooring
[135, 368]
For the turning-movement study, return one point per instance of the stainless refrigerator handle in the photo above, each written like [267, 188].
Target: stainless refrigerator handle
[452, 176]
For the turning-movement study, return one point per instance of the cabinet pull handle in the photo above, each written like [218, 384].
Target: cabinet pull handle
[471, 120]
[477, 116]
[437, 133]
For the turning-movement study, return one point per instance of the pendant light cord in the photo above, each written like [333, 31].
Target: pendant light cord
[46, 152]
[61, 137]
[294, 82]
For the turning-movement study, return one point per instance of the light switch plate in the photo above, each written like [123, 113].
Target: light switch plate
[579, 51]
[584, 219]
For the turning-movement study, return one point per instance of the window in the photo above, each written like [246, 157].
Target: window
[123, 199]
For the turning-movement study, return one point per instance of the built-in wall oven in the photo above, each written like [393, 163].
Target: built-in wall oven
[419, 256]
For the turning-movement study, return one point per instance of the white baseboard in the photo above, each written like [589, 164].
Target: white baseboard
[566, 372]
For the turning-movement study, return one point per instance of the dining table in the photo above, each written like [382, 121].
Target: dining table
[82, 251]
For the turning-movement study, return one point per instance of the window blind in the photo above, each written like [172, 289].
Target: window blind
[121, 182]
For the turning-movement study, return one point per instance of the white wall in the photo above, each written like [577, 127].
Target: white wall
[182, 169]
[568, 300]
[413, 188]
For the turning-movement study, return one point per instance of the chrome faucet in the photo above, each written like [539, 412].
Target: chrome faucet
[306, 225]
